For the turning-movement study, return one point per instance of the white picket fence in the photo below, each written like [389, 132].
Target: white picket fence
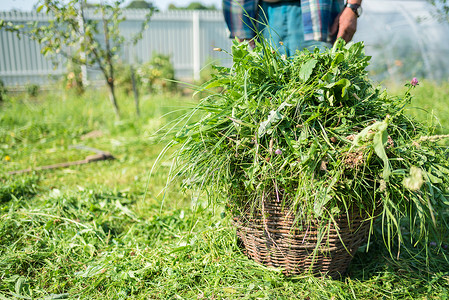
[187, 36]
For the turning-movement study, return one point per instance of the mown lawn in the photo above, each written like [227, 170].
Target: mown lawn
[106, 230]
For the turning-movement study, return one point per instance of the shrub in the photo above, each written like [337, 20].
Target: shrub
[32, 90]
[123, 79]
[73, 80]
[2, 91]
[157, 75]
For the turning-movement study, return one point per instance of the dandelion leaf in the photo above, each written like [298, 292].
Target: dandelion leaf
[377, 133]
[273, 118]
[306, 69]
[379, 140]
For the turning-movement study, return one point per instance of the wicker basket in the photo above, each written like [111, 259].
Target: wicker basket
[279, 241]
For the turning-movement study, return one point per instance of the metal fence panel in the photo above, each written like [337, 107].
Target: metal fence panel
[187, 36]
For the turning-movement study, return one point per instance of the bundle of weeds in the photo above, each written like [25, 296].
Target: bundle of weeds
[313, 132]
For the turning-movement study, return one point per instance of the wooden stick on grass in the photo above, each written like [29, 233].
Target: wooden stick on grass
[88, 159]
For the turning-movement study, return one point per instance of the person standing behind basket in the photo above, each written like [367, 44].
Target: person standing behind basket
[293, 24]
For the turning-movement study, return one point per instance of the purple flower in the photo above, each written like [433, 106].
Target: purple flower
[278, 151]
[433, 244]
[414, 81]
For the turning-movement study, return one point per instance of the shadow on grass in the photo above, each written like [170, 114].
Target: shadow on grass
[411, 273]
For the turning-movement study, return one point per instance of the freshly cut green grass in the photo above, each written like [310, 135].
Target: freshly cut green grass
[106, 231]
[95, 244]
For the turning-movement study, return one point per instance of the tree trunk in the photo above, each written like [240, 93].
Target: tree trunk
[111, 90]
[109, 77]
[135, 91]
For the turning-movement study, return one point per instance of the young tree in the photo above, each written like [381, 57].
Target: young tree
[442, 9]
[141, 4]
[192, 6]
[199, 6]
[83, 41]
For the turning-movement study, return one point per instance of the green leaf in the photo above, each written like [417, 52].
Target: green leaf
[307, 69]
[377, 133]
[19, 284]
[434, 179]
[273, 118]
[338, 45]
[90, 271]
[320, 202]
[339, 87]
[215, 83]
[355, 49]
[239, 50]
[379, 140]
[312, 117]
[339, 57]
[344, 84]
[443, 169]
[367, 134]
[39, 8]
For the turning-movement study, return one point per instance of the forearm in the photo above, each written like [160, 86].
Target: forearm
[347, 21]
[353, 5]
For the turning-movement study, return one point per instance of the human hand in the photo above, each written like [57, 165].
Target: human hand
[345, 25]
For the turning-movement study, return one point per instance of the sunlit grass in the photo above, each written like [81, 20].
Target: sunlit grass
[430, 104]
